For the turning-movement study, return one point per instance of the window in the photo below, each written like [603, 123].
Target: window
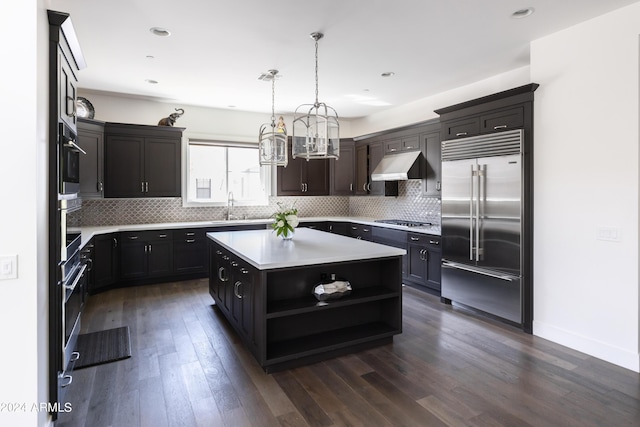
[216, 169]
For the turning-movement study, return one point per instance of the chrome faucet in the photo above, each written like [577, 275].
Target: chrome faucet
[229, 205]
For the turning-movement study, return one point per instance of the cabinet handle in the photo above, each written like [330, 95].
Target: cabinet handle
[100, 186]
[408, 147]
[190, 240]
[499, 127]
[236, 289]
[142, 187]
[226, 258]
[222, 275]
[351, 187]
[434, 242]
[354, 228]
[234, 264]
[244, 271]
[422, 254]
[162, 236]
[438, 186]
[415, 239]
[133, 237]
[359, 238]
[368, 186]
[74, 356]
[461, 134]
[218, 252]
[302, 187]
[67, 377]
[364, 187]
[146, 187]
[190, 234]
[366, 230]
[149, 247]
[115, 243]
[392, 150]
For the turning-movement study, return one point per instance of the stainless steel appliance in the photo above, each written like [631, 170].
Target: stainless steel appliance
[405, 222]
[69, 160]
[482, 227]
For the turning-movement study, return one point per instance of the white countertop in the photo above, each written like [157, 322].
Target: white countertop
[264, 250]
[89, 232]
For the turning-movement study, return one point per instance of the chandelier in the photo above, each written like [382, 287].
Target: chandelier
[272, 143]
[315, 126]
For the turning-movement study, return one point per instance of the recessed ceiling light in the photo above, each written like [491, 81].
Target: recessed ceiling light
[161, 32]
[388, 74]
[231, 106]
[150, 56]
[151, 81]
[522, 13]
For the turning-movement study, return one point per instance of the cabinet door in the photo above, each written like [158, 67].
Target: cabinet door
[162, 167]
[290, 177]
[315, 176]
[91, 140]
[160, 254]
[376, 152]
[393, 146]
[430, 147]
[434, 261]
[105, 262]
[410, 143]
[124, 166]
[461, 128]
[512, 118]
[133, 259]
[362, 169]
[416, 267]
[190, 252]
[342, 170]
[67, 91]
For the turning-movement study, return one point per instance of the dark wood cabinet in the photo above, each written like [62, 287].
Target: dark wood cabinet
[67, 89]
[91, 140]
[303, 177]
[424, 258]
[146, 254]
[341, 228]
[105, 262]
[362, 169]
[395, 238]
[368, 155]
[361, 231]
[406, 143]
[503, 119]
[142, 161]
[190, 251]
[430, 147]
[342, 170]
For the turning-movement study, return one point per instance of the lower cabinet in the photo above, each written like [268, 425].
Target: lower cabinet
[190, 251]
[104, 271]
[146, 254]
[424, 258]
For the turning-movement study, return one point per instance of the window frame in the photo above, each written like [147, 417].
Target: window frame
[267, 174]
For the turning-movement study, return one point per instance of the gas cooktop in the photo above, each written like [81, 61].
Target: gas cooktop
[405, 222]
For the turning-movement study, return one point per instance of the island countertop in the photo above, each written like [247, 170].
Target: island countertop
[264, 250]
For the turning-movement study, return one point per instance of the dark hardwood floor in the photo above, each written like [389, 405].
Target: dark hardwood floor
[448, 367]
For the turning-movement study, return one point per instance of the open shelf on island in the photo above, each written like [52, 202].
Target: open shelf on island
[280, 351]
[310, 303]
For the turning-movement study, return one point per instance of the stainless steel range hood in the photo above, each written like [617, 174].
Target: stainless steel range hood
[398, 167]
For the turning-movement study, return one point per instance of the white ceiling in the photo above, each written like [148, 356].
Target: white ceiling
[218, 48]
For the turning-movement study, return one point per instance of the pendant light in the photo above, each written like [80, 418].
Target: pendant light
[272, 144]
[316, 131]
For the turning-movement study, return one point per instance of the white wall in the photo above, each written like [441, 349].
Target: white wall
[23, 159]
[422, 109]
[586, 177]
[200, 122]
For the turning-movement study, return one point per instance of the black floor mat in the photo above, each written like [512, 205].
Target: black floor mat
[100, 347]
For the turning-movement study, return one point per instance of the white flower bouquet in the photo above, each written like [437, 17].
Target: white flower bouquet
[286, 220]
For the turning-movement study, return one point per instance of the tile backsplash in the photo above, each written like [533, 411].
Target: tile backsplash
[410, 204]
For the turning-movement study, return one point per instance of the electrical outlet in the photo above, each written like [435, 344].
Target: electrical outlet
[8, 267]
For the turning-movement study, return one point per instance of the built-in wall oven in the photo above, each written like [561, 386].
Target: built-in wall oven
[69, 160]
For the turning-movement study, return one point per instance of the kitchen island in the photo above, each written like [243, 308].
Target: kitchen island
[264, 287]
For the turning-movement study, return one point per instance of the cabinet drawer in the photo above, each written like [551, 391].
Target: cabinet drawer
[411, 143]
[428, 240]
[189, 234]
[502, 120]
[462, 128]
[393, 146]
[381, 233]
[129, 236]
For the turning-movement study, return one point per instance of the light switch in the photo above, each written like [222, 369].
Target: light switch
[8, 267]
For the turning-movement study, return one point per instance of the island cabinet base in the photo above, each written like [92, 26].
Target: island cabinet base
[284, 325]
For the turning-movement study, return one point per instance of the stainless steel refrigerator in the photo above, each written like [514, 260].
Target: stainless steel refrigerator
[482, 223]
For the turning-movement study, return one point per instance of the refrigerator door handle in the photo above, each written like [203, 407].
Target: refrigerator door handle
[479, 199]
[471, 214]
[449, 264]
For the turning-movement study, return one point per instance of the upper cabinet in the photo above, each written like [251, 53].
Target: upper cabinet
[342, 170]
[91, 140]
[502, 111]
[303, 177]
[142, 161]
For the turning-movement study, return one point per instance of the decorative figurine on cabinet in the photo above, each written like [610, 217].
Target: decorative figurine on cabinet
[170, 121]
